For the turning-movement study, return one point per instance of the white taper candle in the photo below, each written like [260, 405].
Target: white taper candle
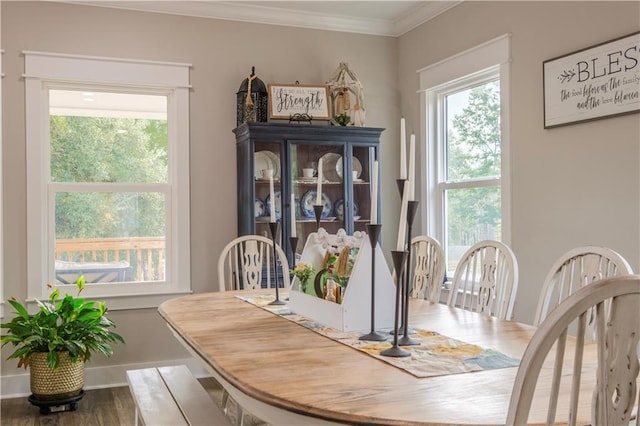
[293, 215]
[402, 226]
[412, 168]
[319, 187]
[374, 194]
[403, 150]
[272, 199]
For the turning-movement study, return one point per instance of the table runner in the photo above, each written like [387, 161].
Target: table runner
[437, 355]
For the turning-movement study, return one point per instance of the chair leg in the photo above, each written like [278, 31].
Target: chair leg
[225, 400]
[239, 415]
[239, 409]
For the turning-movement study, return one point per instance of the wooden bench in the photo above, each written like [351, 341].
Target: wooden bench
[172, 396]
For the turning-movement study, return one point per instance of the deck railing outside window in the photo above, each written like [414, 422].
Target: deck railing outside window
[111, 259]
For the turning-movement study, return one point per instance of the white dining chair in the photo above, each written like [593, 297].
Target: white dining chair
[616, 302]
[486, 280]
[575, 269]
[427, 258]
[247, 263]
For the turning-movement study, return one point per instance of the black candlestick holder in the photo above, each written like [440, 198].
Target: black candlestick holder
[293, 243]
[399, 260]
[273, 227]
[373, 230]
[400, 183]
[317, 209]
[405, 340]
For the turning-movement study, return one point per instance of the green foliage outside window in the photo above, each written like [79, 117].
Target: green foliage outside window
[474, 151]
[109, 150]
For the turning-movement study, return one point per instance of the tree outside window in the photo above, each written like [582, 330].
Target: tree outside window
[471, 195]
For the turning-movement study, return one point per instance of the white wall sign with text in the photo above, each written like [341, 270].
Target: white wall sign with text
[287, 100]
[597, 82]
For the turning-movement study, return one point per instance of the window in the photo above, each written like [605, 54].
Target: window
[465, 105]
[2, 302]
[107, 186]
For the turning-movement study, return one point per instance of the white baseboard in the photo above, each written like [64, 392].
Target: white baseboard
[17, 385]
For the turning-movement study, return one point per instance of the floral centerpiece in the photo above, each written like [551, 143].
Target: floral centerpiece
[340, 291]
[303, 272]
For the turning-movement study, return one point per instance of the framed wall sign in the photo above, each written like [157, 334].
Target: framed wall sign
[597, 82]
[286, 100]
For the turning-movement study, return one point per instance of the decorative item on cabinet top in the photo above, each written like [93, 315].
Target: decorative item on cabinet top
[251, 100]
[295, 101]
[342, 86]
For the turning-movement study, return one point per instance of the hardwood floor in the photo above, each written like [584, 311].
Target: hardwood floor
[99, 407]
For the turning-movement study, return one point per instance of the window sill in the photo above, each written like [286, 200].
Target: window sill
[126, 302]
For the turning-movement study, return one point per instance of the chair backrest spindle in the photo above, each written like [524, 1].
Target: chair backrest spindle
[428, 268]
[615, 303]
[486, 280]
[575, 269]
[247, 263]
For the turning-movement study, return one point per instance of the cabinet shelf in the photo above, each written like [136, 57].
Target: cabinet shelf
[290, 148]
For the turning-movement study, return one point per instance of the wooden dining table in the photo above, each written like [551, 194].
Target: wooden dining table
[287, 374]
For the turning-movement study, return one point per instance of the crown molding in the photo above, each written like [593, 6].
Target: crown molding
[421, 14]
[244, 12]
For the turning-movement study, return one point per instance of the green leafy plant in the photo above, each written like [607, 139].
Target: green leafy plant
[68, 324]
[342, 119]
[303, 271]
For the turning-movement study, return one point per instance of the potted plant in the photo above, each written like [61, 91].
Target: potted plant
[303, 271]
[56, 341]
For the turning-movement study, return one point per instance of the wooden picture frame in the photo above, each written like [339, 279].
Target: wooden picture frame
[287, 100]
[597, 82]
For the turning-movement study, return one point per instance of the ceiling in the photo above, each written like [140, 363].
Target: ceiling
[386, 18]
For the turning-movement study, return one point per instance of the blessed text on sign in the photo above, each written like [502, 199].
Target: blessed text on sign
[286, 100]
[596, 82]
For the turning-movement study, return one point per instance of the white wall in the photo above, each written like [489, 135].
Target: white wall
[222, 54]
[571, 186]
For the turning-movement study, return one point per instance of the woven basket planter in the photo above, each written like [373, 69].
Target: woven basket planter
[55, 384]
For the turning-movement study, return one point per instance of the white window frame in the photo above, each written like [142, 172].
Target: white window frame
[473, 66]
[44, 71]
[2, 301]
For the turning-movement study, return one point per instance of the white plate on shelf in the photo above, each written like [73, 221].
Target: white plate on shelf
[329, 169]
[266, 160]
[357, 167]
[339, 209]
[309, 199]
[259, 207]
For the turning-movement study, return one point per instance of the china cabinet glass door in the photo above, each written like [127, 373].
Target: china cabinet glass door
[268, 166]
[305, 162]
[360, 213]
[343, 168]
